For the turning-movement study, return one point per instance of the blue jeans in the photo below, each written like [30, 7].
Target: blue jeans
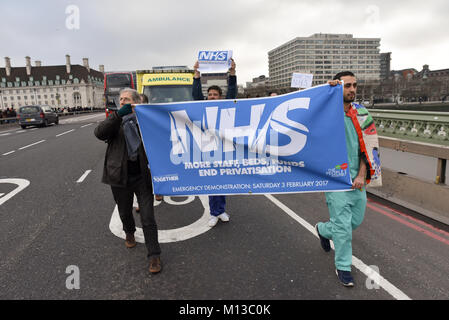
[217, 205]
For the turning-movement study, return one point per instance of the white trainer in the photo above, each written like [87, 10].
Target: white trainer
[224, 217]
[212, 221]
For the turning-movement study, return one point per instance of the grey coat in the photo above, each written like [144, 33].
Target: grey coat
[115, 170]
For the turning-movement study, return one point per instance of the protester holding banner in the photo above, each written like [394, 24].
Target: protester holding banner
[126, 171]
[347, 209]
[144, 99]
[217, 204]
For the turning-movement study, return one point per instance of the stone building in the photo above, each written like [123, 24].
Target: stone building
[61, 86]
[407, 85]
[214, 79]
[259, 87]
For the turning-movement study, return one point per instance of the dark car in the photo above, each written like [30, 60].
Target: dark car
[37, 115]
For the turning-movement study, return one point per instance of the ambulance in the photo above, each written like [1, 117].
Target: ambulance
[166, 84]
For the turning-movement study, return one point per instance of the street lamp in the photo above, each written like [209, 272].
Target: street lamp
[58, 96]
[93, 100]
[1, 99]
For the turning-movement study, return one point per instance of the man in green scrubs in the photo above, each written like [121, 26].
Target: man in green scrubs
[346, 209]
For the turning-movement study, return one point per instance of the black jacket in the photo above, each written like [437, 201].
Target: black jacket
[115, 171]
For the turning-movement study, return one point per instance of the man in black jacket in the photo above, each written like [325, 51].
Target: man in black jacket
[216, 203]
[126, 171]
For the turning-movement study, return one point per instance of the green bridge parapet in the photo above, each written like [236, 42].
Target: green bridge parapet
[424, 126]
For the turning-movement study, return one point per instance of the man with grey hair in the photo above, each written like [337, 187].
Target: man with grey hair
[126, 171]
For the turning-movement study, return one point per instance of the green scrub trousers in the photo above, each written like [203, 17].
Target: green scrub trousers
[346, 209]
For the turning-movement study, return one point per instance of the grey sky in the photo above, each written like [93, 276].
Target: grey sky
[139, 34]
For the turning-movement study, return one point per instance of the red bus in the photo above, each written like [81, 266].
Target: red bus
[114, 82]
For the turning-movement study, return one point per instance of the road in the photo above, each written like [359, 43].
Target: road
[58, 219]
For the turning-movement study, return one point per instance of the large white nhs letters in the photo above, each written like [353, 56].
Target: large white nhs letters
[207, 138]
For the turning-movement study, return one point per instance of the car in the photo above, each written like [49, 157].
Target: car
[40, 115]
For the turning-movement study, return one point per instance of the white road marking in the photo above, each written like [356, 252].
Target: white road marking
[21, 131]
[4, 131]
[31, 145]
[5, 154]
[86, 125]
[22, 184]
[5, 134]
[58, 135]
[81, 118]
[195, 229]
[374, 276]
[31, 129]
[85, 174]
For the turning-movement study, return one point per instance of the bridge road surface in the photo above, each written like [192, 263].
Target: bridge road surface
[268, 250]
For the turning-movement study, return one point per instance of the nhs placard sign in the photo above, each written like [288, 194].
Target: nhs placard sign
[214, 61]
[288, 143]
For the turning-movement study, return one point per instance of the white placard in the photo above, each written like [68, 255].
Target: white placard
[214, 61]
[301, 80]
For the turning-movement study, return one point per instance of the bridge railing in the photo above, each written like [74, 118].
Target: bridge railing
[428, 198]
[425, 126]
[441, 153]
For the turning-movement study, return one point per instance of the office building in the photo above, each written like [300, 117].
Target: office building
[324, 55]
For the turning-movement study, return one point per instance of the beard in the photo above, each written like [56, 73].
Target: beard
[349, 99]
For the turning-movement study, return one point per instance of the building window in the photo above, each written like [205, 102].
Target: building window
[77, 99]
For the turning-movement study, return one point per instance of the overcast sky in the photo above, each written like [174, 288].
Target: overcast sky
[139, 34]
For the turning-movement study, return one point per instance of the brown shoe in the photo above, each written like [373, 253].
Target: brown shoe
[130, 241]
[159, 197]
[155, 265]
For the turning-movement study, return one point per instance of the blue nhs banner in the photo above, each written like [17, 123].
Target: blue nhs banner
[288, 143]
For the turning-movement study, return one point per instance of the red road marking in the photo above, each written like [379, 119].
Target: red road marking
[409, 224]
[411, 218]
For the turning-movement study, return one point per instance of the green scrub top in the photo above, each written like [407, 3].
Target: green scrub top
[352, 145]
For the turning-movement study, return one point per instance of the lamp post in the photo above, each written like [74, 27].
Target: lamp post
[1, 99]
[93, 100]
[58, 96]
